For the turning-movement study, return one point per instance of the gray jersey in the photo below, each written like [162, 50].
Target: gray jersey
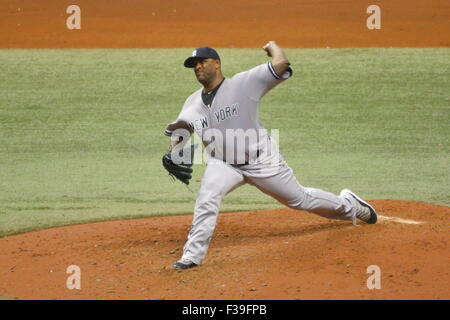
[234, 109]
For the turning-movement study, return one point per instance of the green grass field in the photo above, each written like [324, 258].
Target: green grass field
[81, 130]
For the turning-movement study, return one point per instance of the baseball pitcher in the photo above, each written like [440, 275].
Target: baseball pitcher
[224, 113]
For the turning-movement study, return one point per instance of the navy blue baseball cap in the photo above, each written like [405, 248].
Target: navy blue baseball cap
[201, 53]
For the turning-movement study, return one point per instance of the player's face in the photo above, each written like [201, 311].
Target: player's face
[206, 70]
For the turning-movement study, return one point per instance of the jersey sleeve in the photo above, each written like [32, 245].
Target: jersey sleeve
[178, 128]
[259, 80]
[179, 123]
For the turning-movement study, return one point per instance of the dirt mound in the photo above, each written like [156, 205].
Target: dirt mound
[269, 254]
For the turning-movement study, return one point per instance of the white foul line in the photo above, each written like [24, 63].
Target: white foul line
[399, 220]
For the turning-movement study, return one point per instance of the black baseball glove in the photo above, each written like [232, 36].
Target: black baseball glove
[182, 171]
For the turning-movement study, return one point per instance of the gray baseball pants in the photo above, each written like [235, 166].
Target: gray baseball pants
[221, 178]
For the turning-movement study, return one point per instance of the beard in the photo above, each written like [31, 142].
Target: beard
[205, 78]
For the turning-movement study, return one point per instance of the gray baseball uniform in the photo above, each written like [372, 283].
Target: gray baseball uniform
[232, 115]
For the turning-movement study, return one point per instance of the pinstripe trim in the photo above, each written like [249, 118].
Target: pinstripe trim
[273, 71]
[287, 74]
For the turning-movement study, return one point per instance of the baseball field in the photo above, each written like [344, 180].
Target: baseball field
[82, 116]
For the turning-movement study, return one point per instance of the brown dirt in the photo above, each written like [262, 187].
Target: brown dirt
[270, 254]
[231, 23]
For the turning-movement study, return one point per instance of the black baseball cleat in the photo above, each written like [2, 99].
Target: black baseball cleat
[183, 264]
[363, 210]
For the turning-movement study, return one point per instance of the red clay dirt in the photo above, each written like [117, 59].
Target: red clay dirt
[270, 254]
[231, 23]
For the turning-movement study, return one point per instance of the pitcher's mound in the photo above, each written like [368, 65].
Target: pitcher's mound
[269, 254]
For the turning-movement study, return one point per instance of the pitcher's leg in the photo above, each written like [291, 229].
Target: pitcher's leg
[218, 180]
[285, 188]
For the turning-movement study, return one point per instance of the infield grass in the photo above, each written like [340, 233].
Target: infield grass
[81, 130]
